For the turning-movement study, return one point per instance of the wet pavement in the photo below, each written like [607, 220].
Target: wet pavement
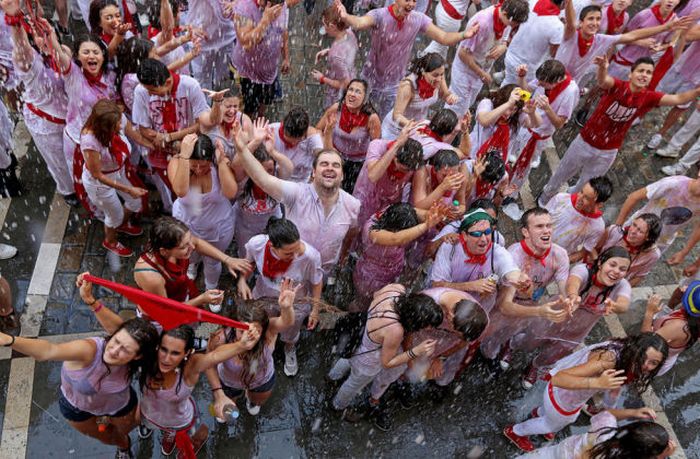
[297, 420]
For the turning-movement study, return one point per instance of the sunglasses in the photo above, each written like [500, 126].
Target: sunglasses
[486, 232]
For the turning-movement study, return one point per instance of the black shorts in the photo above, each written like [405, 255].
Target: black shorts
[255, 95]
[74, 414]
[234, 393]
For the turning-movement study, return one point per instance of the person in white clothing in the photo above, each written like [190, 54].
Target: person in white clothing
[680, 138]
[449, 15]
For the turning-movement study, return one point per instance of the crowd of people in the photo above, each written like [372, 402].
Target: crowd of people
[399, 188]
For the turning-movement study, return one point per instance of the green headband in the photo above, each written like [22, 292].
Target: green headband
[475, 216]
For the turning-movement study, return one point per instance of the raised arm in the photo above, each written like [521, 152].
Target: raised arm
[377, 169]
[23, 53]
[285, 300]
[570, 23]
[109, 320]
[672, 100]
[81, 351]
[179, 166]
[402, 99]
[629, 204]
[597, 373]
[227, 181]
[257, 173]
[639, 34]
[449, 38]
[355, 22]
[250, 34]
[605, 81]
[222, 353]
[489, 118]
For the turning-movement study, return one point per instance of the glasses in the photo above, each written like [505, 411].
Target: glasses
[486, 232]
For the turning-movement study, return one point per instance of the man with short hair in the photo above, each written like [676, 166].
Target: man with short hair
[298, 141]
[594, 150]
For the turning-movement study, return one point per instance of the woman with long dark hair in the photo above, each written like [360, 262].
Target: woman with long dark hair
[604, 367]
[96, 397]
[348, 126]
[106, 22]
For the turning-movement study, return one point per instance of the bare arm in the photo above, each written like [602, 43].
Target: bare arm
[249, 34]
[269, 183]
[570, 23]
[605, 81]
[402, 99]
[671, 100]
[355, 22]
[179, 167]
[449, 38]
[467, 58]
[640, 34]
[629, 204]
[597, 373]
[80, 351]
[23, 53]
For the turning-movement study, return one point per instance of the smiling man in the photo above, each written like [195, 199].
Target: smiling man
[594, 150]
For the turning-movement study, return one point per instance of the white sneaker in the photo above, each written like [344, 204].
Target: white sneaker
[668, 152]
[536, 161]
[252, 409]
[7, 251]
[290, 362]
[674, 169]
[513, 211]
[655, 141]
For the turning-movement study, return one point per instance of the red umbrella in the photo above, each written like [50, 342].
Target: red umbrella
[169, 313]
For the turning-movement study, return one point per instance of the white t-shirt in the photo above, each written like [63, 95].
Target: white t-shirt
[190, 103]
[563, 106]
[572, 229]
[531, 43]
[301, 154]
[568, 53]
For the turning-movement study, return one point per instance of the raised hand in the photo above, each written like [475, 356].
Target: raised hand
[250, 337]
[238, 265]
[288, 292]
[216, 96]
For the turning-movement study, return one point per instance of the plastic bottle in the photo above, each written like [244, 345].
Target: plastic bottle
[230, 411]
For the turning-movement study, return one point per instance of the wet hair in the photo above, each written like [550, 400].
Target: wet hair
[146, 336]
[501, 96]
[331, 16]
[444, 158]
[589, 9]
[426, 63]
[251, 312]
[603, 188]
[153, 12]
[443, 122]
[182, 332]
[103, 120]
[166, 233]
[470, 319]
[534, 212]
[642, 60]
[314, 163]
[612, 252]
[631, 353]
[483, 203]
[516, 10]
[417, 311]
[130, 54]
[397, 217]
[654, 227]
[153, 72]
[203, 149]
[411, 154]
[559, 3]
[495, 167]
[296, 122]
[636, 440]
[367, 108]
[551, 71]
[96, 7]
[281, 232]
[262, 156]
[93, 39]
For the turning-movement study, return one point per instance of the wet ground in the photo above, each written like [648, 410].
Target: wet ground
[55, 244]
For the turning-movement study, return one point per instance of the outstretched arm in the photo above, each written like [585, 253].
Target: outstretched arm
[355, 22]
[269, 183]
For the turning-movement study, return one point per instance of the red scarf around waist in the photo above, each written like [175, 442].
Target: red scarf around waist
[546, 8]
[473, 258]
[170, 106]
[615, 21]
[528, 251]
[349, 121]
[525, 157]
[273, 267]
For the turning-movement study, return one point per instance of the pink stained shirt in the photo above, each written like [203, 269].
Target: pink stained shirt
[324, 232]
[44, 88]
[555, 269]
[604, 21]
[563, 105]
[301, 154]
[641, 20]
[209, 16]
[82, 96]
[305, 269]
[391, 46]
[572, 229]
[386, 191]
[129, 84]
[642, 262]
[578, 66]
[259, 64]
[479, 45]
[689, 64]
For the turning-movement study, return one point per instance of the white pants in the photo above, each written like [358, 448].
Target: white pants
[68, 150]
[106, 198]
[517, 144]
[359, 379]
[211, 68]
[683, 135]
[466, 90]
[212, 266]
[48, 138]
[583, 159]
[549, 420]
[446, 23]
[692, 156]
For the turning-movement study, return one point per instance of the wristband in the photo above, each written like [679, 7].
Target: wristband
[14, 21]
[11, 336]
[98, 308]
[93, 302]
[216, 388]
[322, 80]
[411, 355]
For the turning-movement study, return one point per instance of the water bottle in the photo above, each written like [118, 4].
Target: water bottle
[455, 203]
[230, 411]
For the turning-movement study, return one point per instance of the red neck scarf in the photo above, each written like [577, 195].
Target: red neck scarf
[499, 140]
[434, 181]
[630, 248]
[287, 144]
[394, 173]
[425, 89]
[170, 106]
[583, 45]
[273, 267]
[94, 80]
[483, 187]
[152, 31]
[546, 8]
[595, 214]
[399, 22]
[498, 26]
[472, 258]
[598, 283]
[656, 11]
[528, 251]
[226, 127]
[615, 21]
[553, 93]
[128, 17]
[663, 66]
[258, 193]
[430, 133]
[107, 38]
[349, 121]
[119, 149]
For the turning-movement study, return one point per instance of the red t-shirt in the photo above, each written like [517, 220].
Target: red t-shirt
[617, 109]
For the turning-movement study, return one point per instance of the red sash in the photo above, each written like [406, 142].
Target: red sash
[42, 114]
[450, 10]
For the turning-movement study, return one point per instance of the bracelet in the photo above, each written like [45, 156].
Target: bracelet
[464, 32]
[216, 388]
[411, 355]
[93, 302]
[322, 80]
[98, 308]
[11, 342]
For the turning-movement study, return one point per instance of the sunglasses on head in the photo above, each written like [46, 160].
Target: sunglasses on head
[486, 232]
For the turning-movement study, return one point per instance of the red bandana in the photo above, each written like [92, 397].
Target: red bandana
[425, 89]
[106, 37]
[583, 45]
[430, 133]
[656, 11]
[553, 93]
[170, 106]
[395, 174]
[349, 121]
[598, 283]
[499, 140]
[287, 144]
[596, 214]
[663, 66]
[258, 193]
[630, 248]
[498, 26]
[615, 21]
[94, 80]
[119, 149]
[399, 22]
[472, 258]
[546, 8]
[517, 171]
[541, 258]
[434, 181]
[273, 267]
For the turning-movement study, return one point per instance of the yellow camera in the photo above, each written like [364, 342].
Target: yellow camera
[525, 95]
